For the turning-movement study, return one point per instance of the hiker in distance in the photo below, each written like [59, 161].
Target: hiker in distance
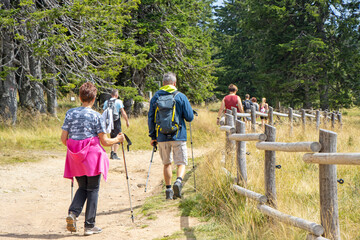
[247, 108]
[229, 101]
[117, 107]
[82, 132]
[169, 109]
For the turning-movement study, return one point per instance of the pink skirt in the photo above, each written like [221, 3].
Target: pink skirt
[85, 157]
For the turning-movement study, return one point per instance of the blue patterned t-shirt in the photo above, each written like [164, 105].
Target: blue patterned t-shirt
[82, 123]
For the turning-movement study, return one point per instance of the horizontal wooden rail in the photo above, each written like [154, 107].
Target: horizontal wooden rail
[289, 147]
[310, 115]
[312, 227]
[262, 114]
[248, 137]
[297, 115]
[333, 158]
[228, 129]
[281, 114]
[250, 194]
[243, 114]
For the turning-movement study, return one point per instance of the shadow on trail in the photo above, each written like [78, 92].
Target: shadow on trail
[35, 236]
[185, 212]
[117, 212]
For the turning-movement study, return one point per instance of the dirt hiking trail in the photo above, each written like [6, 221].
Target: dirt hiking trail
[35, 198]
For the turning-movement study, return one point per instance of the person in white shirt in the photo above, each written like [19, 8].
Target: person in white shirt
[118, 108]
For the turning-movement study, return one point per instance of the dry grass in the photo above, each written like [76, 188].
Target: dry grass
[297, 186]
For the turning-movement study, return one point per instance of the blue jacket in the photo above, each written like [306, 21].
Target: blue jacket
[183, 110]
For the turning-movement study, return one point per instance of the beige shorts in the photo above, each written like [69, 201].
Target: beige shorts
[179, 150]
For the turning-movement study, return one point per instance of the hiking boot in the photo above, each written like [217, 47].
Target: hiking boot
[91, 231]
[114, 156]
[169, 193]
[177, 189]
[71, 222]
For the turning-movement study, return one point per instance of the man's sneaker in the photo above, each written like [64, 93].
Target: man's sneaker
[177, 189]
[91, 231]
[71, 222]
[169, 193]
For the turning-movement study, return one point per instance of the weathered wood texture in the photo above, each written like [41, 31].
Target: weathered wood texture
[291, 220]
[270, 158]
[291, 117]
[333, 158]
[229, 144]
[241, 154]
[333, 120]
[250, 194]
[317, 119]
[253, 118]
[271, 116]
[243, 114]
[289, 147]
[262, 114]
[248, 137]
[228, 129]
[328, 188]
[280, 114]
[303, 118]
[222, 121]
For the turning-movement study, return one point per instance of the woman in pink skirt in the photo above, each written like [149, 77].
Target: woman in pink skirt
[82, 132]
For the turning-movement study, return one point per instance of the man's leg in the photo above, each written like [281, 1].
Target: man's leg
[167, 174]
[164, 151]
[180, 159]
[181, 171]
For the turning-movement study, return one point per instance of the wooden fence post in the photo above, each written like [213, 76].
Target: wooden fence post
[229, 145]
[271, 116]
[329, 211]
[325, 117]
[303, 118]
[241, 155]
[291, 118]
[332, 120]
[270, 162]
[253, 118]
[317, 119]
[234, 113]
[339, 119]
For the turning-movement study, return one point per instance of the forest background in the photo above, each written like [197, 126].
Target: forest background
[298, 53]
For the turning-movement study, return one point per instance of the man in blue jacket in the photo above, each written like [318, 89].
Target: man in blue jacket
[175, 143]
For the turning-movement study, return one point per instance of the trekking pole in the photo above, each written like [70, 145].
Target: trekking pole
[152, 155]
[192, 151]
[127, 176]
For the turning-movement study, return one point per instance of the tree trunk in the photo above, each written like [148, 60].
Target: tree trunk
[37, 92]
[51, 97]
[8, 87]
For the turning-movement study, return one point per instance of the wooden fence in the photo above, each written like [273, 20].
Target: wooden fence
[316, 117]
[322, 153]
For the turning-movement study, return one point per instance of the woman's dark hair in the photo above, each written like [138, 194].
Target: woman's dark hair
[87, 92]
[232, 88]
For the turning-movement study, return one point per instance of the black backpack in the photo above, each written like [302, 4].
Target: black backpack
[166, 120]
[111, 105]
[247, 104]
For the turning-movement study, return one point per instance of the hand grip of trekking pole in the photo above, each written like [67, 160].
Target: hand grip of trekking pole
[128, 142]
[195, 113]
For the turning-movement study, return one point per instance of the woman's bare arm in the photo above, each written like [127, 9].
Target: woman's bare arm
[64, 136]
[106, 141]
